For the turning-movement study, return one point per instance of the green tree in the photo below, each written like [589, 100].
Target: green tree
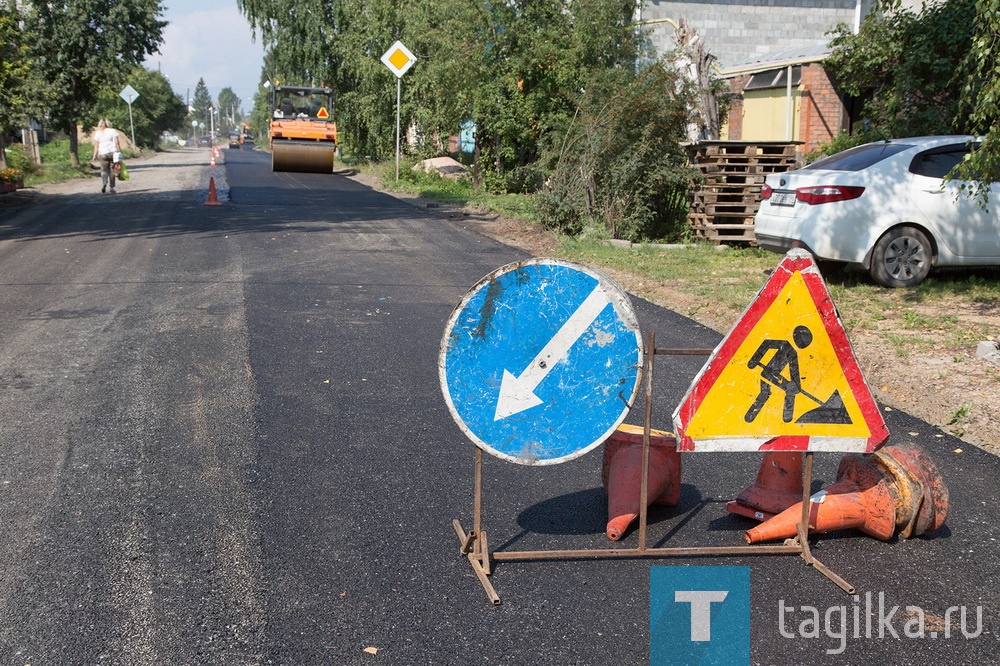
[14, 72]
[980, 96]
[513, 68]
[81, 47]
[905, 66]
[229, 107]
[202, 105]
[157, 109]
[618, 164]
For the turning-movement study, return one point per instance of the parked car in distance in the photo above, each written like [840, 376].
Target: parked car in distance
[205, 140]
[885, 206]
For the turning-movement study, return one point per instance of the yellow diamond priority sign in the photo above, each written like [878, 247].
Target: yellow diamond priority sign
[398, 59]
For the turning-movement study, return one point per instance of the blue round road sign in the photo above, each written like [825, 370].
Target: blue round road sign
[541, 360]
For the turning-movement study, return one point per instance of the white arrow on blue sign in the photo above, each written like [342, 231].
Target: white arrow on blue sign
[541, 360]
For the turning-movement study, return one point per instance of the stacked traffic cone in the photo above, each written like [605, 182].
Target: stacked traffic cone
[894, 490]
[622, 475]
[778, 486]
[213, 197]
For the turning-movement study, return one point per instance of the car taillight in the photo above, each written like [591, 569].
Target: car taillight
[765, 192]
[827, 194]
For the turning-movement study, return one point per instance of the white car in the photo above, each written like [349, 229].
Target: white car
[885, 206]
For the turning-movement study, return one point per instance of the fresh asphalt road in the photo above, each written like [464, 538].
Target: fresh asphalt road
[225, 443]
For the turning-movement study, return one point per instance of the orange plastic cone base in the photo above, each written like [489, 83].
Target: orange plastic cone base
[622, 475]
[213, 197]
[778, 486]
[920, 491]
[837, 507]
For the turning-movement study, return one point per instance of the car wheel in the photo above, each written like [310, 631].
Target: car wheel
[901, 258]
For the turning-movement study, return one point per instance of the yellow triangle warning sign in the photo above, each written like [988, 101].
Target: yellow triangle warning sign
[785, 377]
[323, 113]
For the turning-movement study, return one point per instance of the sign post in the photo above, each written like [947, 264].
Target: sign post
[399, 60]
[129, 94]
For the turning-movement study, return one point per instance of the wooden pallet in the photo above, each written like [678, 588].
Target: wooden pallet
[726, 199]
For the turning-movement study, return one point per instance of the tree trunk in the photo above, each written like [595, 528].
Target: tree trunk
[3, 152]
[74, 143]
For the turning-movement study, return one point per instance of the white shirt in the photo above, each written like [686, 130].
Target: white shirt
[105, 139]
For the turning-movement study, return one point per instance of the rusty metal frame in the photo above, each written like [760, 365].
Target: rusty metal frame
[475, 548]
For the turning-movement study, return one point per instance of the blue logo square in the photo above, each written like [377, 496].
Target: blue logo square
[699, 615]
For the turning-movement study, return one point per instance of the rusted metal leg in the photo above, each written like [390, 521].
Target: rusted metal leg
[803, 529]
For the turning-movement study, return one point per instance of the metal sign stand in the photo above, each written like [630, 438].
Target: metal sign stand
[474, 545]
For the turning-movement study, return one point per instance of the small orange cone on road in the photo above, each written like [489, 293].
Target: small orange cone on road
[213, 197]
[778, 486]
[213, 160]
[895, 489]
[622, 475]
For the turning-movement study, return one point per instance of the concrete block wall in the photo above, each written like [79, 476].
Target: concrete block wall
[738, 31]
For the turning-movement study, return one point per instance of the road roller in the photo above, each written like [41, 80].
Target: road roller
[303, 134]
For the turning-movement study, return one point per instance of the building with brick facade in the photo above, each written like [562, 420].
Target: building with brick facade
[810, 110]
[771, 53]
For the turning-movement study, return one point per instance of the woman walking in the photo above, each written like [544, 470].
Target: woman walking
[105, 146]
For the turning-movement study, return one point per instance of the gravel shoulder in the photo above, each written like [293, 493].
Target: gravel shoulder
[181, 174]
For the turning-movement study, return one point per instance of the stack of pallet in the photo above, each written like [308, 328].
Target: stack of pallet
[724, 203]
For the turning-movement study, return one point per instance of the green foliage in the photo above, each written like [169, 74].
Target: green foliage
[201, 105]
[14, 66]
[156, 110]
[843, 142]
[83, 47]
[618, 164]
[229, 108]
[981, 94]
[904, 65]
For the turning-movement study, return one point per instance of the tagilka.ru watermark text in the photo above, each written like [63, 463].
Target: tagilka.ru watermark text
[867, 617]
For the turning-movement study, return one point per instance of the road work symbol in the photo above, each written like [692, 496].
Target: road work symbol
[540, 361]
[772, 373]
[784, 378]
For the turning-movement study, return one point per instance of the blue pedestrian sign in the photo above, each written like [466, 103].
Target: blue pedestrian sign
[541, 360]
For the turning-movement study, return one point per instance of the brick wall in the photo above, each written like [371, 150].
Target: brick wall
[822, 115]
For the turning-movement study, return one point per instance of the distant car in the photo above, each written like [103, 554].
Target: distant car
[235, 139]
[204, 140]
[885, 206]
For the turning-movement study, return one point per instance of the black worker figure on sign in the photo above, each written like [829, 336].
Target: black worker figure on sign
[772, 374]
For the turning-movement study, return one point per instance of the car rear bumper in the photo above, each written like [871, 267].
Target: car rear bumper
[779, 244]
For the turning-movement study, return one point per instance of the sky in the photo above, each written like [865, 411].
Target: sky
[210, 40]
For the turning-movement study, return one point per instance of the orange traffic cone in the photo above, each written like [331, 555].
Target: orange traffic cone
[213, 197]
[622, 475]
[212, 163]
[778, 486]
[892, 490]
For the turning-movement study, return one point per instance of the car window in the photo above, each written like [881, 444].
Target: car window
[860, 157]
[937, 163]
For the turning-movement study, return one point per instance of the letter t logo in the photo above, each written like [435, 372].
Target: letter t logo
[701, 610]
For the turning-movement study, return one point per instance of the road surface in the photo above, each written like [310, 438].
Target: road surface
[225, 443]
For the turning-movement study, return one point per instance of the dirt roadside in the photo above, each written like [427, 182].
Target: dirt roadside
[946, 386]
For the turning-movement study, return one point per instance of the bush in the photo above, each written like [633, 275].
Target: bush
[843, 142]
[18, 159]
[619, 164]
